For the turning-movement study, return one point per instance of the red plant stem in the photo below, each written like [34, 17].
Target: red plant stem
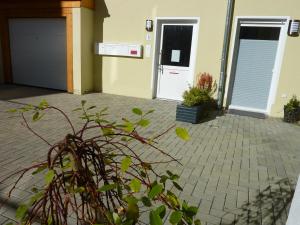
[65, 115]
[32, 131]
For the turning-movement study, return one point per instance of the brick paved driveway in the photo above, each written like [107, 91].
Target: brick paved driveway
[226, 162]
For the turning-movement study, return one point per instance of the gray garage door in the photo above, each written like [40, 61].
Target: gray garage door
[254, 68]
[38, 52]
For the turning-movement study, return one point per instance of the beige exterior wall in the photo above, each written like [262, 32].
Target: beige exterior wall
[1, 65]
[119, 21]
[289, 81]
[83, 51]
[123, 23]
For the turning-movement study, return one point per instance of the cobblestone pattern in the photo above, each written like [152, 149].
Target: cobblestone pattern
[226, 162]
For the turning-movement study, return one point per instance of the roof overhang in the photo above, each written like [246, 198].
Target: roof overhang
[42, 4]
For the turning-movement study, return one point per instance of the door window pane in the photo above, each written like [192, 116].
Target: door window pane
[177, 42]
[260, 33]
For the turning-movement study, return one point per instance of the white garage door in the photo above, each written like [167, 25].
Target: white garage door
[38, 52]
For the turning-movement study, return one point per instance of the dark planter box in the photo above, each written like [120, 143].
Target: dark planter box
[291, 116]
[190, 114]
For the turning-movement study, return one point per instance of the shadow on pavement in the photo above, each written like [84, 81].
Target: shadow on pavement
[11, 92]
[269, 205]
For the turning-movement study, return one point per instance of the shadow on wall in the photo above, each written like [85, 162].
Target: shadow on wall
[269, 207]
[101, 12]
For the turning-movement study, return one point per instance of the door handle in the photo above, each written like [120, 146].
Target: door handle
[160, 66]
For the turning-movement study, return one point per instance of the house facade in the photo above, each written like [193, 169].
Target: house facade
[182, 39]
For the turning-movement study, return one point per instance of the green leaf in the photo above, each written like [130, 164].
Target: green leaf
[49, 176]
[91, 107]
[127, 222]
[107, 187]
[36, 197]
[177, 186]
[131, 199]
[135, 185]
[173, 199]
[169, 173]
[155, 218]
[155, 190]
[107, 131]
[125, 164]
[10, 223]
[21, 211]
[182, 133]
[83, 102]
[197, 222]
[161, 210]
[116, 218]
[185, 206]
[146, 201]
[40, 169]
[192, 211]
[99, 121]
[175, 217]
[149, 112]
[77, 109]
[133, 212]
[43, 104]
[163, 179]
[34, 190]
[137, 111]
[35, 116]
[172, 175]
[103, 110]
[143, 123]
[79, 189]
[128, 127]
[12, 110]
[50, 221]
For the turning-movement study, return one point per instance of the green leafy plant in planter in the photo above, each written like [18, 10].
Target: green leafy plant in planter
[96, 174]
[292, 110]
[198, 100]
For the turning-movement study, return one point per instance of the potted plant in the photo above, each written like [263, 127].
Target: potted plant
[197, 101]
[292, 110]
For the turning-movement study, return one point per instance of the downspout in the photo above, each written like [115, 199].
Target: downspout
[224, 60]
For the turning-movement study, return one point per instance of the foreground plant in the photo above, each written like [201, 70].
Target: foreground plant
[96, 174]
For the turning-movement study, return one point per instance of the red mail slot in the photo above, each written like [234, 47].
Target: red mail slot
[133, 52]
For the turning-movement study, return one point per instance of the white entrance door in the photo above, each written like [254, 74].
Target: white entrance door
[38, 52]
[175, 72]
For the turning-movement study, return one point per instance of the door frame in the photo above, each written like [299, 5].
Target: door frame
[157, 43]
[261, 21]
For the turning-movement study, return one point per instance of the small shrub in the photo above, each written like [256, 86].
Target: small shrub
[202, 93]
[293, 104]
[292, 110]
[195, 96]
[96, 174]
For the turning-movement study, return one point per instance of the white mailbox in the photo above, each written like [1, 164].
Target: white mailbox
[119, 49]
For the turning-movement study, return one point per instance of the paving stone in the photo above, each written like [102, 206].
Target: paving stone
[224, 165]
